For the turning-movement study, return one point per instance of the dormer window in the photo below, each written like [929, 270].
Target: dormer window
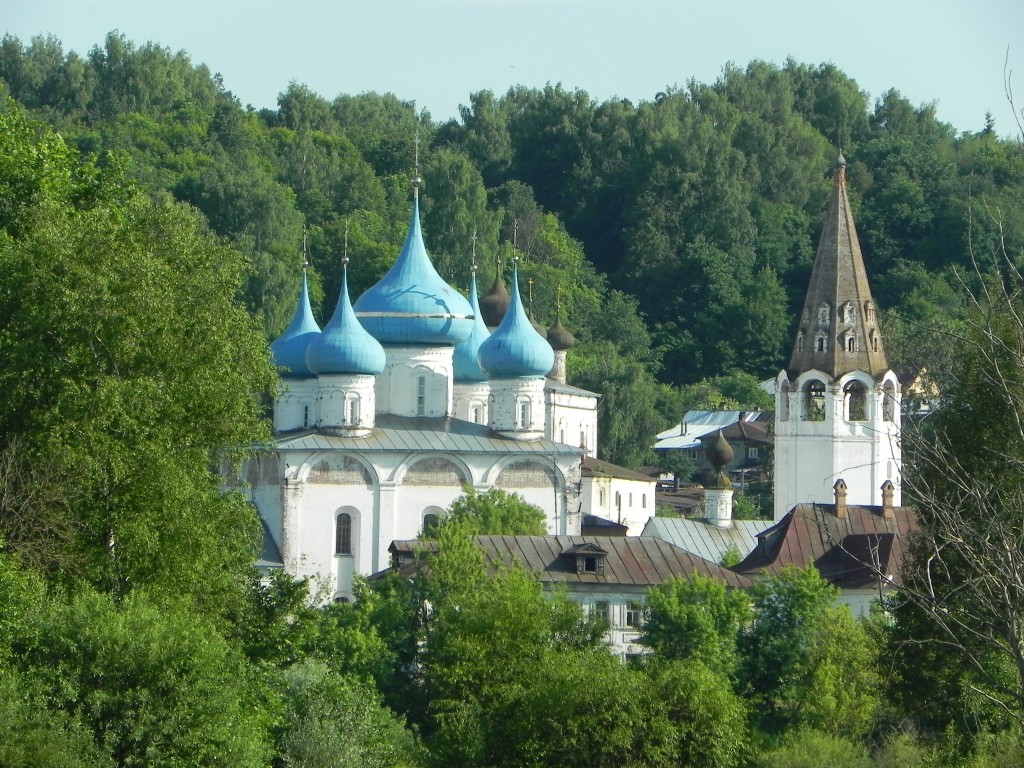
[848, 313]
[589, 558]
[823, 315]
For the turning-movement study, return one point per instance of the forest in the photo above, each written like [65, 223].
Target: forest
[152, 236]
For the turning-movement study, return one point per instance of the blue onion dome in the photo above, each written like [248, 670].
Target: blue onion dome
[515, 349]
[466, 365]
[412, 304]
[345, 346]
[289, 349]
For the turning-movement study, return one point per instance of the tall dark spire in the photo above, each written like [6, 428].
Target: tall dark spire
[838, 330]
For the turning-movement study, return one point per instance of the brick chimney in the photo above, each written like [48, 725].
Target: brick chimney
[887, 511]
[840, 498]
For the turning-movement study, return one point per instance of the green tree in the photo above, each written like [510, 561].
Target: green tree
[332, 720]
[129, 367]
[805, 661]
[696, 619]
[497, 512]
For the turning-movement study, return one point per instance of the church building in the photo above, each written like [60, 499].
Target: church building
[401, 402]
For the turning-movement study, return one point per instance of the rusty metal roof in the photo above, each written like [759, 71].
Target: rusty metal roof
[631, 561]
[407, 433]
[849, 551]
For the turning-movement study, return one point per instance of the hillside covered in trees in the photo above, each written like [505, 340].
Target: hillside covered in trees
[151, 240]
[681, 230]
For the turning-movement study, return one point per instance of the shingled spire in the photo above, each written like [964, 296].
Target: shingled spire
[838, 331]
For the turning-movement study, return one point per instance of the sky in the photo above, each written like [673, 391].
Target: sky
[438, 52]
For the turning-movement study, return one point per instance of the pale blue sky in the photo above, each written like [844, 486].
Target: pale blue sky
[437, 52]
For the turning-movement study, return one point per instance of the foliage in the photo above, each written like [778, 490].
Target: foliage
[812, 749]
[805, 661]
[334, 720]
[696, 619]
[497, 512]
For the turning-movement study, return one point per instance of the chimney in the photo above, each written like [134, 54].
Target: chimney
[887, 511]
[840, 498]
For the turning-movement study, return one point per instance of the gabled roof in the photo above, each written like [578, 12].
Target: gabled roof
[630, 561]
[848, 551]
[596, 468]
[705, 539]
[410, 433]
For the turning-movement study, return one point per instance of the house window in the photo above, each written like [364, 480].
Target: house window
[343, 534]
[421, 395]
[602, 612]
[856, 401]
[634, 614]
[752, 453]
[524, 414]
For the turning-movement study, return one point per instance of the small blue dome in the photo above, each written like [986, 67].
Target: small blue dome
[515, 349]
[412, 304]
[345, 346]
[466, 365]
[289, 349]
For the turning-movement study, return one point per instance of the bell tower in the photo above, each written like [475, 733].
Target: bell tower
[837, 405]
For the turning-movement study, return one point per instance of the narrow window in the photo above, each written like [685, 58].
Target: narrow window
[800, 342]
[353, 411]
[784, 402]
[821, 344]
[823, 315]
[851, 344]
[561, 435]
[630, 500]
[889, 401]
[305, 416]
[643, 501]
[602, 497]
[421, 395]
[583, 440]
[343, 535]
[524, 414]
[476, 415]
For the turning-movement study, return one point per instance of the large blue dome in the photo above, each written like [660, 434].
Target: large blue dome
[289, 349]
[412, 304]
[345, 346]
[466, 365]
[515, 349]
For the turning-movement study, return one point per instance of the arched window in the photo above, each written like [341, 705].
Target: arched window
[583, 439]
[353, 410]
[476, 415]
[602, 497]
[800, 342]
[821, 343]
[851, 343]
[430, 523]
[889, 401]
[305, 416]
[874, 341]
[343, 534]
[814, 401]
[784, 402]
[856, 396]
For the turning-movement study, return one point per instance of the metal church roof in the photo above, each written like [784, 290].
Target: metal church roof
[413, 433]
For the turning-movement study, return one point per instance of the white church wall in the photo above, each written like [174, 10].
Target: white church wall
[416, 381]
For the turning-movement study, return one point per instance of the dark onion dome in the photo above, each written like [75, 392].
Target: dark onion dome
[494, 303]
[412, 304]
[558, 336]
[515, 349]
[718, 455]
[345, 346]
[466, 365]
[289, 349]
